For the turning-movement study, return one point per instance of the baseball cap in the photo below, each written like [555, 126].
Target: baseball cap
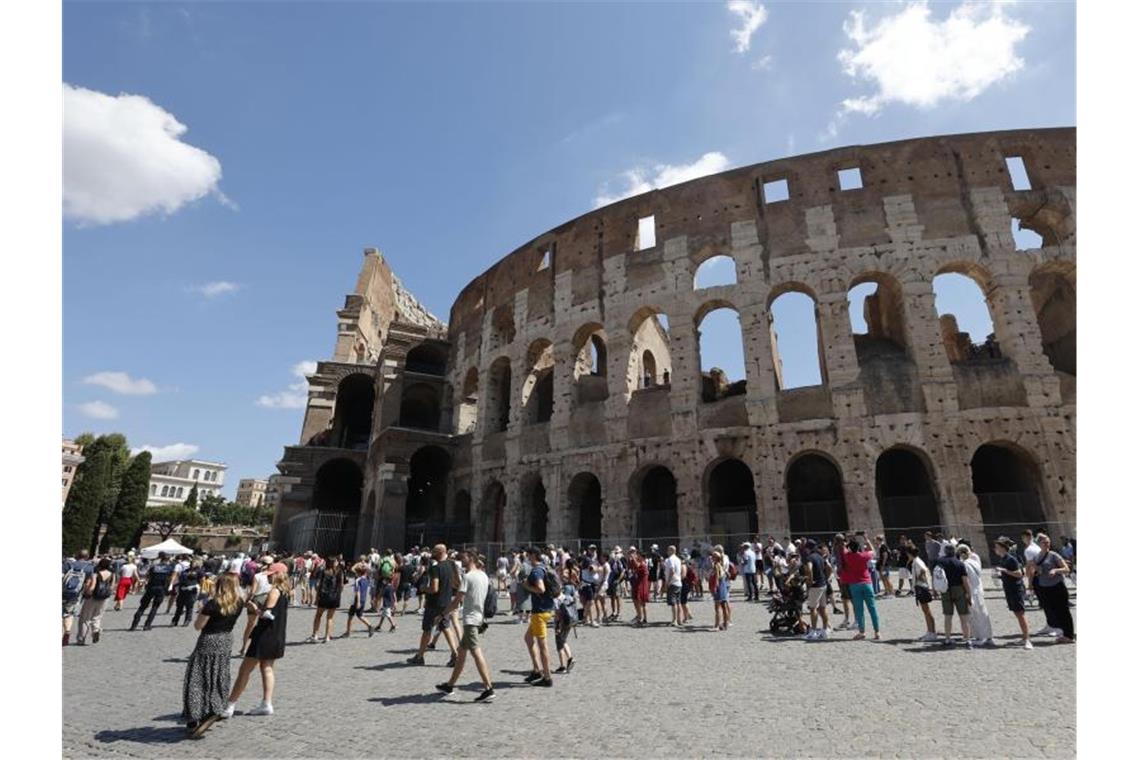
[278, 567]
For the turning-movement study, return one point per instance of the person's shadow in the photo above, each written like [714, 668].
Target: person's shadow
[143, 735]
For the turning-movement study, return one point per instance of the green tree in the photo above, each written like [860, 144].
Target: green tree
[130, 505]
[192, 498]
[120, 457]
[174, 517]
[93, 488]
[211, 507]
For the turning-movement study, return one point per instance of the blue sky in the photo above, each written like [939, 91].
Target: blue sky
[445, 135]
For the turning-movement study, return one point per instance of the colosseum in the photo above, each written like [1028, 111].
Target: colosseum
[564, 399]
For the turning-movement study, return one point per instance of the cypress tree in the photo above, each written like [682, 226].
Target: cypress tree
[130, 506]
[89, 493]
[120, 456]
[192, 498]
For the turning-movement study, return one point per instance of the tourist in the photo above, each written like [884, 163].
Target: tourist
[403, 581]
[949, 579]
[589, 587]
[97, 590]
[387, 603]
[654, 561]
[127, 574]
[815, 578]
[600, 590]
[540, 585]
[980, 626]
[689, 581]
[920, 578]
[329, 581]
[671, 580]
[438, 591]
[502, 572]
[361, 594]
[1048, 571]
[844, 589]
[1030, 551]
[1013, 585]
[267, 644]
[472, 596]
[932, 546]
[453, 568]
[901, 562]
[159, 581]
[206, 683]
[883, 565]
[566, 616]
[255, 580]
[189, 582]
[613, 583]
[639, 586]
[855, 557]
[297, 580]
[181, 565]
[75, 575]
[748, 569]
[719, 586]
[313, 563]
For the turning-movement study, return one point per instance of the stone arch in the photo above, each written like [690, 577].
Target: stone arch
[730, 501]
[653, 493]
[956, 301]
[469, 402]
[715, 271]
[1008, 484]
[338, 486]
[502, 327]
[794, 310]
[649, 328]
[720, 351]
[877, 305]
[591, 362]
[1053, 290]
[817, 506]
[538, 386]
[584, 501]
[352, 412]
[493, 512]
[420, 406]
[535, 512]
[427, 359]
[425, 508]
[906, 492]
[499, 395]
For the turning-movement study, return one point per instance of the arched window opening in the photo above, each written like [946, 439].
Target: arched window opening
[964, 319]
[461, 531]
[1006, 481]
[338, 488]
[731, 503]
[584, 497]
[650, 330]
[425, 507]
[908, 503]
[816, 505]
[1055, 302]
[878, 321]
[719, 270]
[427, 359]
[797, 346]
[1024, 238]
[419, 407]
[538, 388]
[590, 360]
[499, 395]
[655, 495]
[493, 510]
[721, 347]
[535, 511]
[469, 403]
[502, 327]
[352, 417]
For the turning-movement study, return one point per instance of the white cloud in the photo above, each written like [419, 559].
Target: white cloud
[664, 175]
[752, 16]
[763, 63]
[913, 59]
[123, 157]
[167, 453]
[121, 382]
[297, 395]
[99, 410]
[215, 289]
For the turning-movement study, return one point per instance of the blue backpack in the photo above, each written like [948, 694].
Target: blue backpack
[73, 583]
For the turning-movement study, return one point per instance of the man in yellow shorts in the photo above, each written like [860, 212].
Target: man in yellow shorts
[541, 612]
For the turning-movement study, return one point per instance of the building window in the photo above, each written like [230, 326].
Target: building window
[179, 492]
[196, 472]
[164, 490]
[153, 488]
[646, 233]
[776, 191]
[67, 468]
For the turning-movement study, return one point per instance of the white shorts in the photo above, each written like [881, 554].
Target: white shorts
[817, 598]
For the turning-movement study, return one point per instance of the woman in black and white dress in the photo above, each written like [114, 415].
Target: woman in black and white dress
[266, 643]
[207, 679]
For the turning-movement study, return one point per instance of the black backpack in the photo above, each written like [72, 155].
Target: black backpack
[490, 604]
[552, 583]
[102, 588]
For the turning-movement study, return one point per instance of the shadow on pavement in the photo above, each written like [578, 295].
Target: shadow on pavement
[432, 697]
[144, 735]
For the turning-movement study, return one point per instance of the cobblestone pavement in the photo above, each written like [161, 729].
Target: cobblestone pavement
[633, 692]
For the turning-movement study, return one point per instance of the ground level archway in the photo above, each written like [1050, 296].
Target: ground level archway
[816, 505]
[908, 502]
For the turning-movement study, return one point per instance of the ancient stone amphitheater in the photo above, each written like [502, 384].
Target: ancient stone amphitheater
[564, 399]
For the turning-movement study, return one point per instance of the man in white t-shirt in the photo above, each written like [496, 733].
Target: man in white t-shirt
[473, 592]
[671, 570]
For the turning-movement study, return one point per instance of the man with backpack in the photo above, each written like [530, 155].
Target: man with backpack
[473, 598]
[75, 574]
[950, 581]
[437, 593]
[544, 587]
[159, 582]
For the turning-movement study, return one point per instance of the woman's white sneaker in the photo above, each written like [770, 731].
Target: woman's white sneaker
[229, 711]
[262, 709]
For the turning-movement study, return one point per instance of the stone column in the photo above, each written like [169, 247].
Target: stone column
[759, 366]
[1018, 334]
[842, 365]
[924, 337]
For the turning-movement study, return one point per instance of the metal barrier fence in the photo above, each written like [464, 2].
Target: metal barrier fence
[326, 533]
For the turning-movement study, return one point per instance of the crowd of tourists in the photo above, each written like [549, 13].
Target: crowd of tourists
[806, 583]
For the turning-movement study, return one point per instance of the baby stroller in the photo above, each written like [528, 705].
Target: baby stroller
[786, 605]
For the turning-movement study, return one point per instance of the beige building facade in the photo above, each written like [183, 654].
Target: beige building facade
[564, 399]
[72, 458]
[251, 492]
[171, 482]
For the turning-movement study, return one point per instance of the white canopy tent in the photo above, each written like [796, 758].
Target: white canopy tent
[170, 547]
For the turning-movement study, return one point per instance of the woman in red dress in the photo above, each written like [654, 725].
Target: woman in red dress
[640, 588]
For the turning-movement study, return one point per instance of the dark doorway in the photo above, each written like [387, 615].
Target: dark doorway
[462, 519]
[731, 503]
[816, 507]
[1006, 482]
[352, 420]
[585, 500]
[338, 487]
[535, 512]
[427, 359]
[425, 508]
[419, 407]
[908, 503]
[656, 498]
[493, 511]
[499, 395]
